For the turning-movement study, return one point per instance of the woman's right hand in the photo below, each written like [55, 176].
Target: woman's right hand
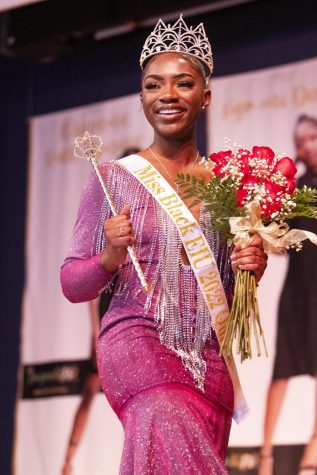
[119, 235]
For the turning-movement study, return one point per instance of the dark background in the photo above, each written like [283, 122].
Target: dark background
[39, 74]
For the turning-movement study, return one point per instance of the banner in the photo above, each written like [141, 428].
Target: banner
[57, 336]
[261, 108]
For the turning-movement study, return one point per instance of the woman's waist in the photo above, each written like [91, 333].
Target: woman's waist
[136, 343]
[119, 326]
[115, 321]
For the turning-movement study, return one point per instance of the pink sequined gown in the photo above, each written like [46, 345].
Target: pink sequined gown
[171, 427]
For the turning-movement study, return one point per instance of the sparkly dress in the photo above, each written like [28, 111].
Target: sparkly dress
[171, 426]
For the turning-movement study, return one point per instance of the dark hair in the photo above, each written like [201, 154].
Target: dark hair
[306, 118]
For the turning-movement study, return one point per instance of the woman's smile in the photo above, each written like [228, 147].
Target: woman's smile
[170, 113]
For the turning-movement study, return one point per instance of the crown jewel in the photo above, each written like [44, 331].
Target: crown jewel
[178, 38]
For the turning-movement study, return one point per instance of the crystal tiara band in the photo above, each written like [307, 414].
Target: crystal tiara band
[178, 38]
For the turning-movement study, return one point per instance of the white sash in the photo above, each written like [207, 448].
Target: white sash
[199, 255]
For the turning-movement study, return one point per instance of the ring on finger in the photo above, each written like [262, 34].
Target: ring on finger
[122, 234]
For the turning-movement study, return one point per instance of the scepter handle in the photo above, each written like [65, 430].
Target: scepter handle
[103, 186]
[131, 251]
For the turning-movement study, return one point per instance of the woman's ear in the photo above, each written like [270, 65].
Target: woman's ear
[141, 96]
[207, 98]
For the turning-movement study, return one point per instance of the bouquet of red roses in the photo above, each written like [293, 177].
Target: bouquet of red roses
[252, 193]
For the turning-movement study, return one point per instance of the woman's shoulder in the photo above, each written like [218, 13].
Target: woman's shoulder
[115, 172]
[109, 168]
[115, 165]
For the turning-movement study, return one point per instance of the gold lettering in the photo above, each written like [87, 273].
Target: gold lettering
[275, 102]
[176, 212]
[198, 264]
[199, 251]
[304, 95]
[187, 228]
[221, 324]
[147, 172]
[181, 219]
[237, 110]
[205, 278]
[192, 243]
[210, 282]
[170, 200]
[70, 129]
[193, 247]
[155, 187]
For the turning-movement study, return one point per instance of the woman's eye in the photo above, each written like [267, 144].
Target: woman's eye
[187, 84]
[151, 85]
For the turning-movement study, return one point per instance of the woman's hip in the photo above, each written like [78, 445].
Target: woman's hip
[131, 359]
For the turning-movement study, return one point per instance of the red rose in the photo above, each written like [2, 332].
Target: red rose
[221, 157]
[286, 167]
[243, 164]
[217, 169]
[243, 155]
[291, 185]
[215, 157]
[267, 209]
[241, 196]
[272, 189]
[250, 180]
[264, 152]
[244, 152]
[271, 202]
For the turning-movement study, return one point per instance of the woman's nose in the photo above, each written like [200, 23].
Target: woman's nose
[169, 94]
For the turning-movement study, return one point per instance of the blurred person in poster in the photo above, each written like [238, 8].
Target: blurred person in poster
[296, 344]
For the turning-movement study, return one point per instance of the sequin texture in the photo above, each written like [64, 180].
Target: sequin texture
[171, 426]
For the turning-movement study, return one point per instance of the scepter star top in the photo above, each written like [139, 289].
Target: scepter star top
[88, 147]
[178, 38]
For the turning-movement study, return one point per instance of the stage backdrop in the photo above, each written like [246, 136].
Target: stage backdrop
[255, 108]
[261, 108]
[56, 335]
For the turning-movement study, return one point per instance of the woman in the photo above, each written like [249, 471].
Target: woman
[296, 349]
[157, 353]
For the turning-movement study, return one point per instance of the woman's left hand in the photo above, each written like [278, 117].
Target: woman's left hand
[251, 258]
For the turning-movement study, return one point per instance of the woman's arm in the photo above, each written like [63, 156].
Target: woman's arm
[82, 279]
[82, 274]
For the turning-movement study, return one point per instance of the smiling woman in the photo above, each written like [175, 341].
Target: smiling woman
[158, 353]
[173, 94]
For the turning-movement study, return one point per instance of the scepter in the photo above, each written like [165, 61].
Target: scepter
[89, 147]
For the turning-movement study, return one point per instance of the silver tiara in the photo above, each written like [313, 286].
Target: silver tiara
[178, 38]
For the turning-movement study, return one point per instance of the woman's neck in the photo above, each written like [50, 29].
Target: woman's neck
[181, 152]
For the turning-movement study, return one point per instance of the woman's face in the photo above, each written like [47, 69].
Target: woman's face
[173, 93]
[306, 143]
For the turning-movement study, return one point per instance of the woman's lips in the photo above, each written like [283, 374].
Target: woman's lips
[170, 113]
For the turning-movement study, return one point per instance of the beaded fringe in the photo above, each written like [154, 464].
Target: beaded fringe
[183, 319]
